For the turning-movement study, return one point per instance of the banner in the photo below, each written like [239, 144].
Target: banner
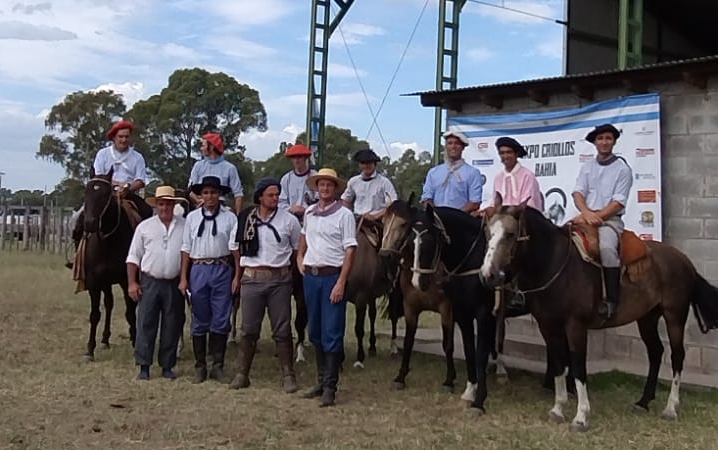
[556, 146]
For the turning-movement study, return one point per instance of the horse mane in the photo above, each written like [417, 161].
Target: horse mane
[544, 226]
[452, 216]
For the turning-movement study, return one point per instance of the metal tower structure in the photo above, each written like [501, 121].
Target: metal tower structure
[323, 25]
[630, 33]
[446, 71]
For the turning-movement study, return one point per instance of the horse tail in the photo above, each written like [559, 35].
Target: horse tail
[704, 299]
[393, 305]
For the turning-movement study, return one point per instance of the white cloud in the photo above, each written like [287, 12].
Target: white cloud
[131, 92]
[241, 12]
[343, 71]
[479, 54]
[357, 33]
[24, 31]
[262, 145]
[504, 14]
[398, 148]
[552, 48]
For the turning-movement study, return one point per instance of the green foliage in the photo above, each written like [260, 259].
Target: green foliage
[69, 192]
[341, 145]
[78, 128]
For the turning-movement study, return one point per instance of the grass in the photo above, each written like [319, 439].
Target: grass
[52, 400]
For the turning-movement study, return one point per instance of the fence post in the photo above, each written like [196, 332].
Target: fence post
[3, 228]
[26, 230]
[43, 228]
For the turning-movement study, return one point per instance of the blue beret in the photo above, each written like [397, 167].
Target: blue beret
[262, 186]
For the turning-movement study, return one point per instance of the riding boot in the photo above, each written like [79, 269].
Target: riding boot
[317, 390]
[331, 378]
[286, 362]
[247, 347]
[77, 233]
[612, 280]
[199, 345]
[217, 347]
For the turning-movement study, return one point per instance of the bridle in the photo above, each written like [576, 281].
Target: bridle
[104, 209]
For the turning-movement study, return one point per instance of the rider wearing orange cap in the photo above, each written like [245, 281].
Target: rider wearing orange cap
[214, 164]
[295, 195]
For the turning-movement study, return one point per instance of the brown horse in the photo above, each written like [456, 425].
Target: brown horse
[563, 291]
[108, 234]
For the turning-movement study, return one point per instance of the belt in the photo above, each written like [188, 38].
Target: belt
[226, 260]
[266, 272]
[322, 271]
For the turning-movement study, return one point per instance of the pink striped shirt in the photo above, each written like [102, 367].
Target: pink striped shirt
[518, 185]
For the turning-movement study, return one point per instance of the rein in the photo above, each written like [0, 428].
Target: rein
[104, 209]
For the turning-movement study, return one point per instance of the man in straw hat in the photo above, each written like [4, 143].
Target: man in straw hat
[214, 164]
[453, 183]
[268, 237]
[369, 192]
[325, 257]
[600, 195]
[209, 256]
[295, 195]
[155, 256]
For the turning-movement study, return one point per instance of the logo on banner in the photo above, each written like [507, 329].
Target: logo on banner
[644, 132]
[643, 152]
[482, 145]
[482, 162]
[647, 219]
[645, 176]
[556, 212]
[647, 196]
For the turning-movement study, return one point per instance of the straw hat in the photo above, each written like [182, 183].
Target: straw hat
[326, 174]
[164, 193]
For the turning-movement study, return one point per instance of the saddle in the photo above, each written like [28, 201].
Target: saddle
[133, 213]
[373, 231]
[78, 267]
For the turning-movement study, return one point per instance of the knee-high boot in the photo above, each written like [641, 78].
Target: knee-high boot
[317, 390]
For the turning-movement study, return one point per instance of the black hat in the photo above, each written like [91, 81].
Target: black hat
[366, 156]
[606, 127]
[513, 144]
[262, 186]
[212, 182]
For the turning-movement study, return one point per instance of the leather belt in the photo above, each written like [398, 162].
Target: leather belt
[266, 272]
[322, 271]
[226, 260]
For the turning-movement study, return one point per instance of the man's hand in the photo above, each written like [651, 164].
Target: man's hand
[592, 218]
[236, 283]
[135, 291]
[296, 210]
[300, 264]
[579, 220]
[183, 286]
[337, 293]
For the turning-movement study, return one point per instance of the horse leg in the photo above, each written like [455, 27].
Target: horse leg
[648, 328]
[182, 318]
[395, 299]
[360, 306]
[109, 301]
[502, 376]
[557, 365]
[130, 314]
[466, 325]
[300, 321]
[676, 329]
[372, 325]
[447, 342]
[394, 348]
[95, 297]
[578, 343]
[411, 320]
[485, 337]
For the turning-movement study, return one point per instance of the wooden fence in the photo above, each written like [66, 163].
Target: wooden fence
[37, 228]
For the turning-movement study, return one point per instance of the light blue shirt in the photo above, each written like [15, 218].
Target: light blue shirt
[600, 185]
[221, 168]
[127, 166]
[461, 187]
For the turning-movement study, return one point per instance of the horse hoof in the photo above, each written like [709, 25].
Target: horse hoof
[88, 357]
[477, 412]
[398, 386]
[358, 365]
[554, 417]
[638, 408]
[105, 346]
[669, 415]
[579, 427]
[372, 352]
[447, 388]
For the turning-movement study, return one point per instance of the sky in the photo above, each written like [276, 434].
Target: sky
[52, 48]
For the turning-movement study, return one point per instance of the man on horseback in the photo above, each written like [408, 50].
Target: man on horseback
[209, 256]
[214, 164]
[453, 183]
[600, 195]
[295, 195]
[267, 237]
[325, 257]
[368, 191]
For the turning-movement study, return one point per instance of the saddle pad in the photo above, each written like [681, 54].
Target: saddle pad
[632, 248]
[78, 266]
[132, 212]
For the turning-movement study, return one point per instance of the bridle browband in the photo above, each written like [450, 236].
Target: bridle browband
[104, 209]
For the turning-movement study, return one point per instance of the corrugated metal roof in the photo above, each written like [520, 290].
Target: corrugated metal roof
[642, 68]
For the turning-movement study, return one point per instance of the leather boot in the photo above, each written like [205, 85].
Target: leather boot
[199, 346]
[612, 280]
[217, 347]
[247, 348]
[331, 378]
[317, 390]
[286, 362]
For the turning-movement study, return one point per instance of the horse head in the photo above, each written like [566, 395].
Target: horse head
[505, 231]
[429, 239]
[397, 221]
[99, 195]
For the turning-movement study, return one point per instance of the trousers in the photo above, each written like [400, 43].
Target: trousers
[327, 320]
[272, 294]
[211, 297]
[160, 298]
[608, 241]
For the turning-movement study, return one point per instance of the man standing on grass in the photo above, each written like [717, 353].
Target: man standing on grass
[155, 256]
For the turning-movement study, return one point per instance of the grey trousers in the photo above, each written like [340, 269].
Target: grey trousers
[272, 293]
[608, 240]
[159, 298]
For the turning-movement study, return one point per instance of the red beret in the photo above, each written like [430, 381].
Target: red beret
[216, 141]
[121, 125]
[298, 150]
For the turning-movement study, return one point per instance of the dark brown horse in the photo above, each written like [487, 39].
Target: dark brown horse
[563, 291]
[108, 234]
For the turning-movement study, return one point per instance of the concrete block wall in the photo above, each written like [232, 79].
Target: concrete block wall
[689, 149]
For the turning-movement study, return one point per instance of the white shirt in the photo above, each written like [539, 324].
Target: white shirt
[222, 169]
[328, 237]
[155, 248]
[369, 196]
[293, 189]
[272, 253]
[208, 246]
[128, 165]
[600, 185]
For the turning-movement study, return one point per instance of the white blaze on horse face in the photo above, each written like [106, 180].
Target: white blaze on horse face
[561, 397]
[673, 398]
[496, 233]
[417, 246]
[583, 407]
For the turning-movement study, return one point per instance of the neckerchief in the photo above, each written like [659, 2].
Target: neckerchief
[250, 222]
[120, 158]
[371, 177]
[212, 218]
[509, 176]
[453, 169]
[326, 211]
[611, 159]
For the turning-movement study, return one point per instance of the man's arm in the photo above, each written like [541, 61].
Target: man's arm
[184, 274]
[348, 196]
[476, 191]
[140, 176]
[134, 257]
[238, 204]
[133, 286]
[427, 193]
[620, 194]
[235, 183]
[301, 251]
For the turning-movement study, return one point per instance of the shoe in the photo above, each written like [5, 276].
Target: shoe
[144, 374]
[169, 374]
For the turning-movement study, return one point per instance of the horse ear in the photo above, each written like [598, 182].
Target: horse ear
[498, 200]
[411, 198]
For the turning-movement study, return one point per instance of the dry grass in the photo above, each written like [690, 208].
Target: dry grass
[51, 400]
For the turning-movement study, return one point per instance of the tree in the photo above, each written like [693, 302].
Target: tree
[79, 125]
[341, 145]
[171, 123]
[69, 192]
[409, 172]
[276, 165]
[27, 197]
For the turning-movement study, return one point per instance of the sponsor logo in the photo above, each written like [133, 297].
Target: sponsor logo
[647, 219]
[643, 152]
[645, 176]
[482, 145]
[646, 236]
[583, 157]
[647, 196]
[482, 162]
[644, 132]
